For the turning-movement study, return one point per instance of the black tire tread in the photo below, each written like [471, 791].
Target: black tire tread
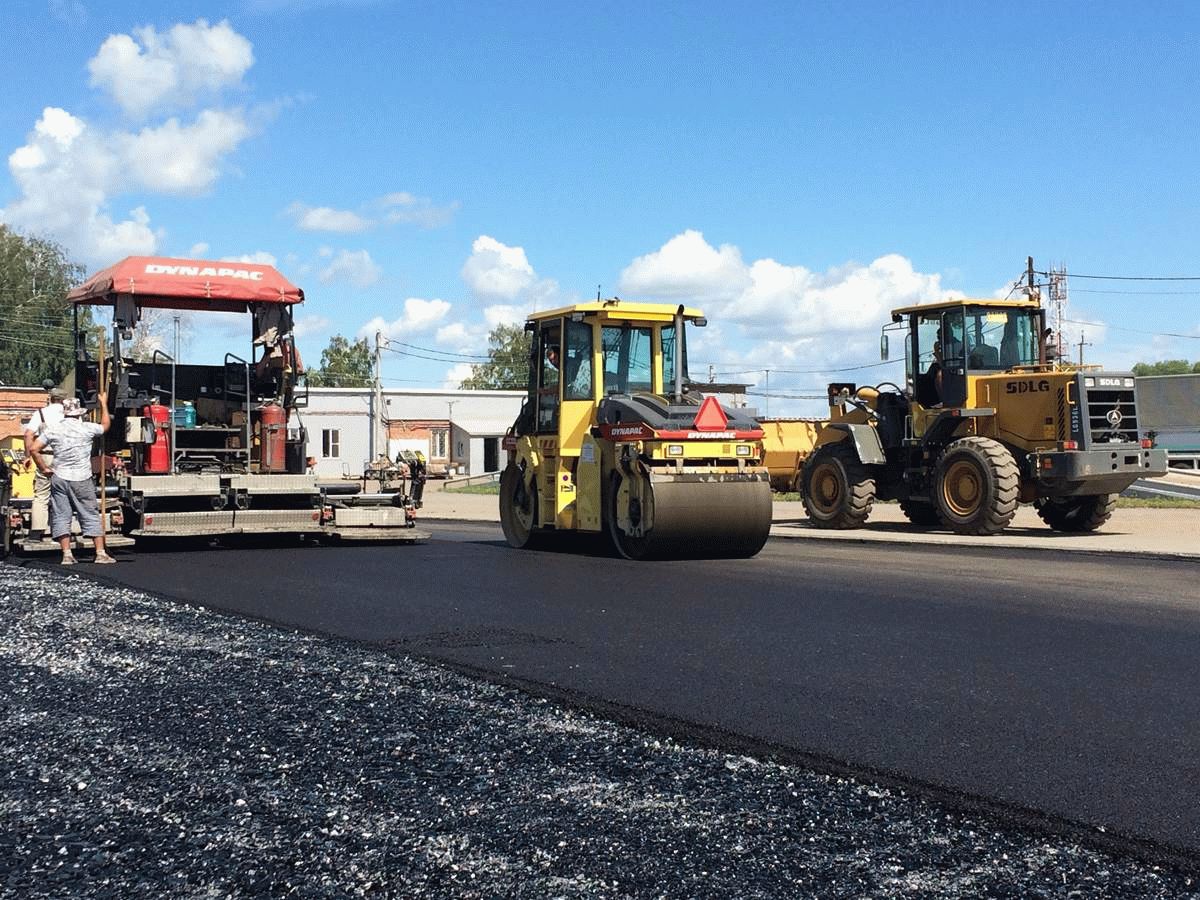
[1004, 487]
[859, 493]
[1077, 514]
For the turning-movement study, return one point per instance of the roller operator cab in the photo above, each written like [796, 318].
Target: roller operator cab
[614, 439]
[984, 422]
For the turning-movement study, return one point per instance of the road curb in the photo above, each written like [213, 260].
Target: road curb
[971, 545]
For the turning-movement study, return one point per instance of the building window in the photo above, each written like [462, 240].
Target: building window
[331, 443]
[438, 440]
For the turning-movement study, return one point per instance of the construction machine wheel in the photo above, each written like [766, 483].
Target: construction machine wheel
[977, 485]
[923, 515]
[1076, 514]
[5, 525]
[518, 508]
[838, 489]
[698, 518]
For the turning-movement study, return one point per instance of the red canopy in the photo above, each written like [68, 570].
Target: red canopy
[155, 281]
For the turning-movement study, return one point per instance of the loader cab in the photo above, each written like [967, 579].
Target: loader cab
[947, 344]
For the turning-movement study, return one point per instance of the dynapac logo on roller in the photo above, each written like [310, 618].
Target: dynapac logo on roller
[203, 272]
[1026, 387]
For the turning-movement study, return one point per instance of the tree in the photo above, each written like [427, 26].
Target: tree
[1166, 367]
[35, 319]
[508, 361]
[344, 363]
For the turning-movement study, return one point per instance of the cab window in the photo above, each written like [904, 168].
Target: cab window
[548, 362]
[627, 356]
[577, 367]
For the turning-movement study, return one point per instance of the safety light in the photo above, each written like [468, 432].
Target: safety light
[674, 449]
[1070, 445]
[1147, 443]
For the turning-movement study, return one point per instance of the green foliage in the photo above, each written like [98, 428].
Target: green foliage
[344, 363]
[1167, 367]
[35, 319]
[508, 361]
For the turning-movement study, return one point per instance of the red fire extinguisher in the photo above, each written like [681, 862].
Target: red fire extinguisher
[158, 453]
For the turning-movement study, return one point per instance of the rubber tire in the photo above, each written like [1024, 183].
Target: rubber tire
[517, 533]
[850, 492]
[5, 527]
[998, 486]
[1076, 514]
[922, 515]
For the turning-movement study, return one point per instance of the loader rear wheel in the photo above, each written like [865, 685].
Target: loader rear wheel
[923, 515]
[518, 509]
[1076, 514]
[838, 488]
[977, 486]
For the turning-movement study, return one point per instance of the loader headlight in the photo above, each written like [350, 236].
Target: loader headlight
[743, 450]
[674, 449]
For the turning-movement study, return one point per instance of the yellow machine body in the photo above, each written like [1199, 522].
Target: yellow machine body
[612, 440]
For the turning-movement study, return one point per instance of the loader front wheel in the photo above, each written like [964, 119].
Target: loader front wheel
[838, 488]
[1076, 514]
[977, 486]
[518, 508]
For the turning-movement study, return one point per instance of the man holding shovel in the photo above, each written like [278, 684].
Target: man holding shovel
[72, 488]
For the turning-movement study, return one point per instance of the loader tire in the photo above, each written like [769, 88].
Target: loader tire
[838, 489]
[977, 486]
[518, 509]
[1076, 514]
[922, 515]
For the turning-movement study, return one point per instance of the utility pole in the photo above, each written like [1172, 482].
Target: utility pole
[712, 374]
[767, 394]
[1082, 343]
[377, 403]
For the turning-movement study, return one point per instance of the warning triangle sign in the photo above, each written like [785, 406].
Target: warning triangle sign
[710, 417]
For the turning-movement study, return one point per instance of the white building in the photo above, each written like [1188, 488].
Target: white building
[457, 430]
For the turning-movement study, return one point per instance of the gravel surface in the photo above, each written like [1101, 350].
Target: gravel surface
[154, 748]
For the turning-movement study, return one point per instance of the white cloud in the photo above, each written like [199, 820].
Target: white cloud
[404, 208]
[503, 314]
[495, 271]
[687, 267]
[419, 316]
[354, 266]
[456, 375]
[259, 257]
[325, 218]
[69, 172]
[198, 250]
[309, 326]
[147, 69]
[768, 298]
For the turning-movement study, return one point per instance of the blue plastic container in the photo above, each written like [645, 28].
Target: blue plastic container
[185, 415]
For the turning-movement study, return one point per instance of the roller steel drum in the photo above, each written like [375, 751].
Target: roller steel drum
[710, 516]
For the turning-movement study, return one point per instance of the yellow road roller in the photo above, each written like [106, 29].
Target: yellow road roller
[614, 439]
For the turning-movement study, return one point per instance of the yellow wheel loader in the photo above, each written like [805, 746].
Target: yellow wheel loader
[984, 423]
[613, 439]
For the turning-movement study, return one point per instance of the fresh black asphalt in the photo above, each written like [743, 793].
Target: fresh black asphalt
[1055, 682]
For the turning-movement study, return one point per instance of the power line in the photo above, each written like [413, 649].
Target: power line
[1132, 277]
[1140, 293]
[1194, 337]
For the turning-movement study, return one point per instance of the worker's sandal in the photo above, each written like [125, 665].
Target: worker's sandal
[104, 559]
[68, 559]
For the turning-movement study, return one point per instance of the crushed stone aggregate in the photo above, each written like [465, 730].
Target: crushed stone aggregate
[152, 748]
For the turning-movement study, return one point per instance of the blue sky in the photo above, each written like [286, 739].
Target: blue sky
[796, 169]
